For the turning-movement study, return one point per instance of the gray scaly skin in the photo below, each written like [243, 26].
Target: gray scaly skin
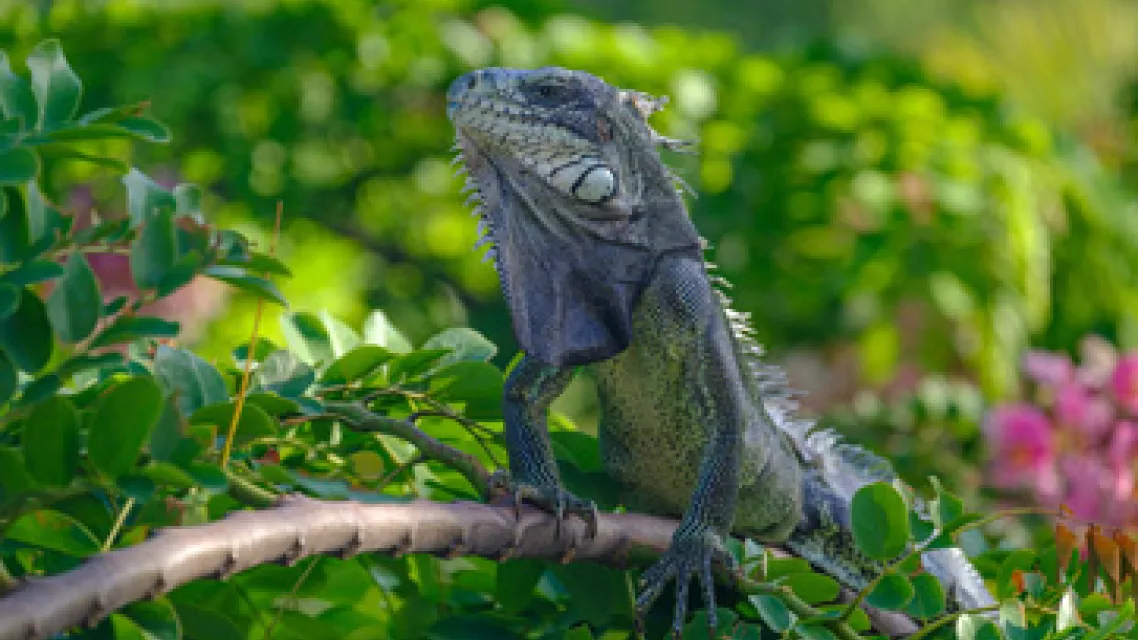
[602, 268]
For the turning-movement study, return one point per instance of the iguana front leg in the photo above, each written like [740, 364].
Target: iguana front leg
[529, 390]
[719, 395]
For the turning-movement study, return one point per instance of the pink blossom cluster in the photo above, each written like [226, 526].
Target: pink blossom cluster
[1076, 442]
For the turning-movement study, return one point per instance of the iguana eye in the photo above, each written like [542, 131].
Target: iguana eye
[587, 179]
[551, 93]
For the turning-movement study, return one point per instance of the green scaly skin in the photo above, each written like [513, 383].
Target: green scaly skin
[602, 269]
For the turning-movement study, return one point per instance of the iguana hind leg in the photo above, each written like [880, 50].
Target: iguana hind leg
[531, 387]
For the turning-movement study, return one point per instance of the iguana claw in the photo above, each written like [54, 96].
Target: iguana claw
[550, 498]
[693, 551]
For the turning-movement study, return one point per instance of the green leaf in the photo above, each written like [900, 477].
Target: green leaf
[475, 384]
[128, 328]
[284, 374]
[18, 165]
[39, 389]
[1013, 620]
[75, 305]
[155, 250]
[156, 618]
[58, 151]
[15, 236]
[16, 98]
[33, 272]
[356, 364]
[880, 521]
[307, 337]
[14, 478]
[464, 343]
[516, 579]
[1068, 617]
[194, 382]
[245, 281]
[9, 299]
[166, 474]
[414, 364]
[203, 621]
[972, 626]
[813, 631]
[813, 587]
[342, 337]
[273, 404]
[26, 334]
[928, 599]
[773, 612]
[122, 423]
[258, 263]
[56, 87]
[254, 422]
[378, 330]
[145, 128]
[1017, 560]
[47, 529]
[145, 197]
[113, 114]
[893, 592]
[51, 441]
[184, 269]
[9, 378]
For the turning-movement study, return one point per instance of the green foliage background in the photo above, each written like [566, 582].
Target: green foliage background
[859, 200]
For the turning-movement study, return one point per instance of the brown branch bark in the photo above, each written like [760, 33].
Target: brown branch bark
[299, 527]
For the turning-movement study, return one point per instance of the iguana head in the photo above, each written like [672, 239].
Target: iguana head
[575, 199]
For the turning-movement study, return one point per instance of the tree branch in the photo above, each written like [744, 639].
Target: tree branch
[299, 527]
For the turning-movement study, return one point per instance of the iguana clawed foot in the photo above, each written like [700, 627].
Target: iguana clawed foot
[693, 552]
[550, 498]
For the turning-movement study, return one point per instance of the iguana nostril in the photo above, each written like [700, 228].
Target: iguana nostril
[459, 87]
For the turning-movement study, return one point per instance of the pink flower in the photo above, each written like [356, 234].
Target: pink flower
[1088, 412]
[1124, 445]
[1124, 382]
[1086, 478]
[1048, 367]
[1024, 443]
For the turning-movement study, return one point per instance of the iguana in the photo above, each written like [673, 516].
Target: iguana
[602, 267]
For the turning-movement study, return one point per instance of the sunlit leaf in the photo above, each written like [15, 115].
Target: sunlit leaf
[464, 343]
[56, 87]
[284, 374]
[378, 330]
[194, 382]
[16, 98]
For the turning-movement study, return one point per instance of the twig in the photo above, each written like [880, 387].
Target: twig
[358, 418]
[248, 370]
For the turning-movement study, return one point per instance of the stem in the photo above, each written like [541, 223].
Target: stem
[117, 526]
[929, 629]
[357, 417]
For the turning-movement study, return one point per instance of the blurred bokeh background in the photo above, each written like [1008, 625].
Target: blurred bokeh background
[909, 197]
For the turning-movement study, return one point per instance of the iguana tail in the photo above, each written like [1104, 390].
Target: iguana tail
[835, 470]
